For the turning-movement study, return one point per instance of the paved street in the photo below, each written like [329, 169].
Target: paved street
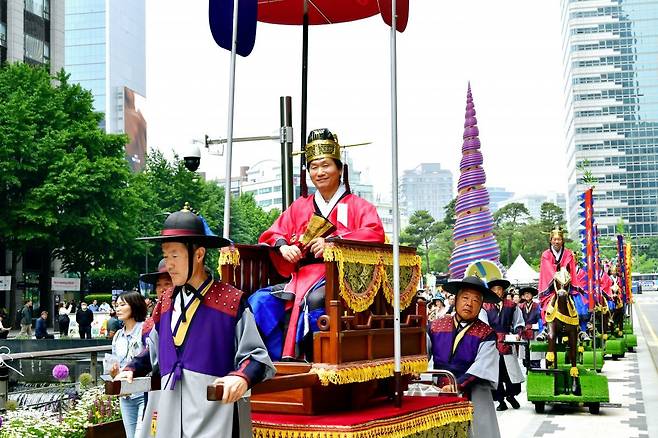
[632, 383]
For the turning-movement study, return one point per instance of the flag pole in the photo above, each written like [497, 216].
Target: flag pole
[229, 129]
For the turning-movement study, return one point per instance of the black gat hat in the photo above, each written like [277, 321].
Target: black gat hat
[474, 283]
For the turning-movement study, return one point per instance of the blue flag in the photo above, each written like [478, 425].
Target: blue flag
[220, 17]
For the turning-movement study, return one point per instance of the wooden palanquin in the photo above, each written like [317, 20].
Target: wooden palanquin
[353, 350]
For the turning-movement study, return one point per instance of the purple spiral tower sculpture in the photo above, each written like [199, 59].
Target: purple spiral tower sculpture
[473, 232]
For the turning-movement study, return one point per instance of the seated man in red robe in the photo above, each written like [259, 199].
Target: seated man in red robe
[352, 218]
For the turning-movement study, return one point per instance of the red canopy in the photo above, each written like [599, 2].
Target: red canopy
[330, 11]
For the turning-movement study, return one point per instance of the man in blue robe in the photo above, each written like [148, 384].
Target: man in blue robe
[505, 318]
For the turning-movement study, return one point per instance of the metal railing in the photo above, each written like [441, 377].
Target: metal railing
[7, 358]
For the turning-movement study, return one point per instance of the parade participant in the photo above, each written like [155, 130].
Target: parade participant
[505, 318]
[466, 346]
[530, 311]
[552, 260]
[581, 301]
[352, 218]
[161, 281]
[203, 334]
[126, 344]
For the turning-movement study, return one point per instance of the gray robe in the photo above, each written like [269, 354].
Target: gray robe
[485, 423]
[184, 411]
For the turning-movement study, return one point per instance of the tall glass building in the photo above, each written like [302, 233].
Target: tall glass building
[611, 98]
[105, 52]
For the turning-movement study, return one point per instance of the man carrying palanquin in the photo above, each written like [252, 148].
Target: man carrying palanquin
[466, 346]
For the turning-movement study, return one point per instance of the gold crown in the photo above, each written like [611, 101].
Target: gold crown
[557, 232]
[323, 148]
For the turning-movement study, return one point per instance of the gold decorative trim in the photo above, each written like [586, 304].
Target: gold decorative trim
[367, 370]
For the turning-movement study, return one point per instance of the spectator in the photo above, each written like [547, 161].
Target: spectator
[84, 317]
[104, 307]
[26, 319]
[127, 343]
[113, 324]
[4, 331]
[63, 319]
[41, 331]
[150, 305]
[93, 306]
[113, 304]
[451, 305]
[74, 307]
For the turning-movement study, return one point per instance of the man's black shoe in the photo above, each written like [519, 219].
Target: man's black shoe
[512, 401]
[501, 406]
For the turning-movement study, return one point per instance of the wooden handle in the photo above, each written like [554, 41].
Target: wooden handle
[276, 384]
[215, 392]
[139, 384]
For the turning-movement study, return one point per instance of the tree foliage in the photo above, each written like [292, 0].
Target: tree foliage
[66, 187]
[423, 229]
[64, 183]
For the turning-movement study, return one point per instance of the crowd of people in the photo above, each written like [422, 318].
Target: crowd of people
[82, 312]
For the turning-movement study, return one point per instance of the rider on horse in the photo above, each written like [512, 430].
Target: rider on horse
[555, 258]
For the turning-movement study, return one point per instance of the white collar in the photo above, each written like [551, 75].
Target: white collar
[326, 207]
[557, 253]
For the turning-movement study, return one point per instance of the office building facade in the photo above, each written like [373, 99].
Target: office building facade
[106, 54]
[426, 187]
[611, 98]
[32, 31]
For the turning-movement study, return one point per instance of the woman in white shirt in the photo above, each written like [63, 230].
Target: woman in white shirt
[63, 319]
[127, 343]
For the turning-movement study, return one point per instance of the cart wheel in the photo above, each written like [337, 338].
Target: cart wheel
[631, 349]
[616, 356]
[594, 408]
[539, 407]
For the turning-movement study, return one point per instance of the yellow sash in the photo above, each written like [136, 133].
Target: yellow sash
[460, 334]
[183, 326]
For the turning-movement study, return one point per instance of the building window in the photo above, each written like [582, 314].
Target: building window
[3, 34]
[34, 48]
[38, 7]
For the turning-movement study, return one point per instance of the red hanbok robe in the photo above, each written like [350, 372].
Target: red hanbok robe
[354, 218]
[547, 269]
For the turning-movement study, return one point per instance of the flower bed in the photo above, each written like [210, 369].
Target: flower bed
[92, 408]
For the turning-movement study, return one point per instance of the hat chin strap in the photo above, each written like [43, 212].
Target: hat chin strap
[190, 261]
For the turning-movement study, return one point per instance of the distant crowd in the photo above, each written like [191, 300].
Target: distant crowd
[83, 313]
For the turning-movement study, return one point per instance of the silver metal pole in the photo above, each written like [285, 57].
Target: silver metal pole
[396, 210]
[229, 130]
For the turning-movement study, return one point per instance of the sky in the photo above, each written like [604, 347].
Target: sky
[509, 51]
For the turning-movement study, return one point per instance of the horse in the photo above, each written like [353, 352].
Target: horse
[562, 321]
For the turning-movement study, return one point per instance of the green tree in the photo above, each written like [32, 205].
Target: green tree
[508, 221]
[421, 232]
[64, 184]
[551, 216]
[450, 215]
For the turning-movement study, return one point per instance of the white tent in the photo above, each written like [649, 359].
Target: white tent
[521, 273]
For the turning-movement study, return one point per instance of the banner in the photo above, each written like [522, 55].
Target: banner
[5, 282]
[65, 284]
